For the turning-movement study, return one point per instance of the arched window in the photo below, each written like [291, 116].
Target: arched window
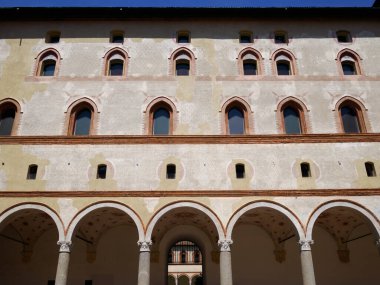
[116, 62]
[349, 63]
[81, 119]
[284, 63]
[350, 119]
[292, 116]
[236, 124]
[48, 63]
[249, 62]
[7, 118]
[292, 121]
[160, 117]
[182, 61]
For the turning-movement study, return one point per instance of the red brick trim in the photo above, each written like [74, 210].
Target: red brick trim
[178, 52]
[108, 56]
[241, 104]
[355, 56]
[155, 104]
[259, 61]
[289, 55]
[10, 102]
[40, 59]
[298, 105]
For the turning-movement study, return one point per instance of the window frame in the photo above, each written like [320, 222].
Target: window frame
[115, 54]
[250, 54]
[344, 33]
[52, 34]
[11, 103]
[248, 34]
[236, 102]
[32, 175]
[368, 171]
[281, 33]
[153, 106]
[359, 108]
[282, 55]
[352, 57]
[72, 111]
[183, 33]
[182, 53]
[116, 33]
[47, 55]
[302, 111]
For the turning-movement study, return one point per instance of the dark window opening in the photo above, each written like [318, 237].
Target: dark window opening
[88, 282]
[370, 169]
[305, 169]
[161, 122]
[283, 68]
[51, 282]
[32, 172]
[101, 172]
[349, 68]
[292, 121]
[350, 120]
[197, 257]
[280, 38]
[236, 122]
[182, 68]
[48, 67]
[116, 67]
[245, 38]
[250, 67]
[82, 122]
[183, 38]
[53, 37]
[117, 38]
[170, 171]
[240, 171]
[170, 257]
[344, 37]
[183, 257]
[7, 117]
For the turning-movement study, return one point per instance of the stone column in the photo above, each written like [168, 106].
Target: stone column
[307, 262]
[63, 262]
[225, 262]
[144, 263]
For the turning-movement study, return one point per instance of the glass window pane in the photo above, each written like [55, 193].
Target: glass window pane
[283, 68]
[82, 123]
[292, 121]
[48, 68]
[350, 120]
[348, 68]
[236, 122]
[7, 118]
[116, 68]
[250, 67]
[161, 120]
[182, 68]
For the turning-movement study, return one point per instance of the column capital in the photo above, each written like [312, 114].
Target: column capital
[306, 244]
[144, 245]
[64, 246]
[225, 245]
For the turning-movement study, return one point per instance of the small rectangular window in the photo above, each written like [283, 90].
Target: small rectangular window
[343, 37]
[305, 170]
[370, 169]
[170, 171]
[246, 38]
[183, 37]
[51, 282]
[53, 37]
[240, 171]
[88, 282]
[117, 37]
[102, 171]
[32, 172]
[280, 38]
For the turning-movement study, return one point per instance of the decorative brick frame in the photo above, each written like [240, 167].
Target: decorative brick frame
[300, 107]
[256, 54]
[355, 59]
[186, 54]
[360, 109]
[290, 57]
[154, 105]
[247, 112]
[110, 56]
[9, 102]
[74, 108]
[45, 55]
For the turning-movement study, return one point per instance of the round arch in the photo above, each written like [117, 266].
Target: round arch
[76, 220]
[263, 204]
[31, 206]
[200, 207]
[297, 104]
[348, 204]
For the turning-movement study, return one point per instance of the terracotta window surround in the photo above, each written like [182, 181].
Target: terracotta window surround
[297, 105]
[282, 56]
[349, 56]
[113, 55]
[358, 108]
[181, 55]
[156, 104]
[47, 56]
[244, 107]
[73, 111]
[7, 104]
[251, 55]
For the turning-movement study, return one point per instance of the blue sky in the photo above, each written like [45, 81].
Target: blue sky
[185, 3]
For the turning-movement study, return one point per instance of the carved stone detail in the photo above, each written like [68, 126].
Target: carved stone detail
[225, 245]
[306, 244]
[144, 245]
[64, 246]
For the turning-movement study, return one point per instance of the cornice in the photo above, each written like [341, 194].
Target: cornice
[196, 193]
[190, 139]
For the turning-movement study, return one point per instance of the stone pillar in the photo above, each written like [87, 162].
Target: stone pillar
[225, 262]
[63, 262]
[144, 263]
[307, 262]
